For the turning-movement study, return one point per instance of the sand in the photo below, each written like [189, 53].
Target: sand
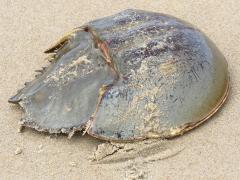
[28, 27]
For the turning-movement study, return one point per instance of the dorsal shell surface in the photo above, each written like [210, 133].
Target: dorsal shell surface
[133, 75]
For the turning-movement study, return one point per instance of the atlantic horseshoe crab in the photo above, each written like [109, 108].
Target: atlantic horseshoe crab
[130, 76]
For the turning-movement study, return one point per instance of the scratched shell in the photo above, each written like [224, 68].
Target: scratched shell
[132, 75]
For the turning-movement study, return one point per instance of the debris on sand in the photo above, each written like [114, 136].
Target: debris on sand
[18, 151]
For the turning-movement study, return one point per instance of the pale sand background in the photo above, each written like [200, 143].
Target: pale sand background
[28, 27]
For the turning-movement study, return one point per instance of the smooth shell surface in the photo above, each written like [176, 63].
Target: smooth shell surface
[133, 75]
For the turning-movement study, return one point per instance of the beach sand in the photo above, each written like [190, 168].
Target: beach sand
[28, 27]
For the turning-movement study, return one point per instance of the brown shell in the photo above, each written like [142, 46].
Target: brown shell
[133, 75]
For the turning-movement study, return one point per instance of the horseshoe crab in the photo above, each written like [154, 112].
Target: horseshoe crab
[133, 75]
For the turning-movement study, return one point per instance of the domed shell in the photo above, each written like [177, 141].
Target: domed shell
[133, 75]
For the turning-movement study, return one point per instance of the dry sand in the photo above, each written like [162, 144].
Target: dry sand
[28, 27]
